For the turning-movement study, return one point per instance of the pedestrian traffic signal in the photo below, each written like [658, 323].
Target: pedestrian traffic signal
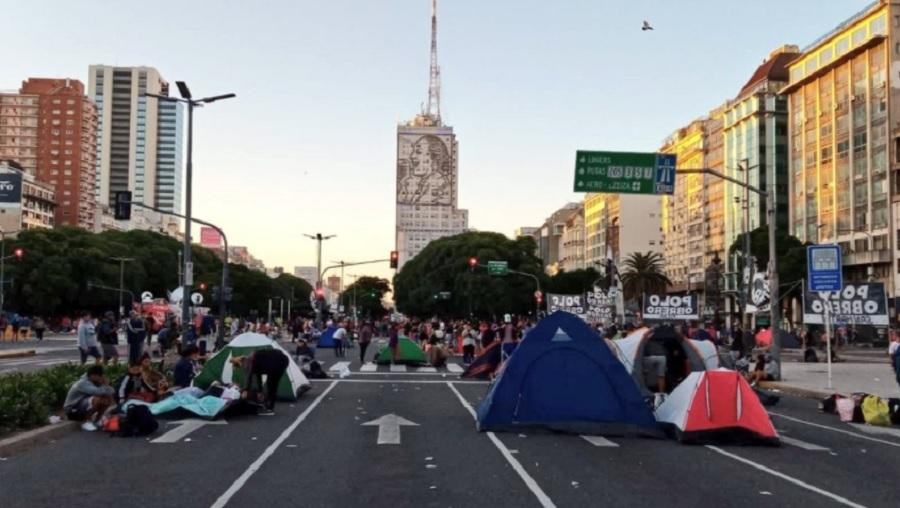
[473, 262]
[122, 205]
[19, 253]
[395, 257]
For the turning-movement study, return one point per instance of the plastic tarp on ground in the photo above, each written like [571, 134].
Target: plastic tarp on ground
[716, 406]
[700, 354]
[219, 367]
[407, 352]
[326, 340]
[563, 377]
[203, 406]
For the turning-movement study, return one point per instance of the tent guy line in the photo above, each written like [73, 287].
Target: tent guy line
[791, 479]
[530, 482]
[257, 464]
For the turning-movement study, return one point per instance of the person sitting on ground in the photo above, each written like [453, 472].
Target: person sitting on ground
[89, 398]
[762, 371]
[131, 386]
[655, 362]
[304, 350]
[273, 364]
[187, 367]
[154, 381]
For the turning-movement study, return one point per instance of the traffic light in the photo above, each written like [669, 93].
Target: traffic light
[395, 257]
[19, 253]
[320, 293]
[123, 205]
[473, 262]
[202, 286]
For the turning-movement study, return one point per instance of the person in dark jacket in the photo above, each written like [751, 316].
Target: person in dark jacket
[186, 368]
[271, 363]
[135, 333]
[365, 338]
[108, 335]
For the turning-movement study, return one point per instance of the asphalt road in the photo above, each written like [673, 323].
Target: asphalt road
[317, 452]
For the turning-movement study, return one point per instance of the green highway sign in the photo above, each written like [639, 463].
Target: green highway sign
[624, 172]
[445, 295]
[499, 268]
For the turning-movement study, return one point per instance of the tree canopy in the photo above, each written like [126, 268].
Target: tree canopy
[443, 267]
[58, 265]
[643, 273]
[367, 293]
[790, 250]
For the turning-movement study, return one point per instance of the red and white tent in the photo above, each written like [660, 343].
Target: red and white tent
[716, 406]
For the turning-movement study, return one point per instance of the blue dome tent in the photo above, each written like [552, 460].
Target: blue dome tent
[564, 377]
[326, 340]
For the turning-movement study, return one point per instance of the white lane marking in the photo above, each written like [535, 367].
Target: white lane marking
[785, 477]
[184, 428]
[874, 429]
[803, 444]
[389, 428]
[398, 368]
[339, 366]
[393, 381]
[826, 427]
[368, 367]
[254, 467]
[454, 368]
[600, 441]
[426, 370]
[532, 485]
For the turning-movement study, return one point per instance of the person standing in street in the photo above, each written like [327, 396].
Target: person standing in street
[87, 339]
[339, 336]
[468, 344]
[135, 333]
[39, 326]
[365, 338]
[108, 334]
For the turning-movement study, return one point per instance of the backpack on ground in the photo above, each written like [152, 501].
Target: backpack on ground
[829, 404]
[894, 408]
[138, 421]
[810, 356]
[845, 409]
[875, 411]
[858, 399]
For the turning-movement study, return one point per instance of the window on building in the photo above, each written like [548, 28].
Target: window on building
[878, 26]
[841, 46]
[859, 35]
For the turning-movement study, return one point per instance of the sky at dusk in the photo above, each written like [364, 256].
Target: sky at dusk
[308, 145]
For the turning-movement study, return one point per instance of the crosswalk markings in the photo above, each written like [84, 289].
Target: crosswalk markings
[368, 367]
[427, 370]
[398, 368]
[803, 444]
[454, 368]
[600, 441]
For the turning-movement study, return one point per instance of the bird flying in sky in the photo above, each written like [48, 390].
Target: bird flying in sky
[646, 26]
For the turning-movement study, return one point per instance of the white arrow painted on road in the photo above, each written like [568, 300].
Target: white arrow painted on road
[389, 428]
[185, 427]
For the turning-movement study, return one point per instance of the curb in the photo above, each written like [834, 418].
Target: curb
[17, 353]
[806, 393]
[27, 439]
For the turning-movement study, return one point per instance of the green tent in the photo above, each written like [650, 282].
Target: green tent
[407, 352]
[219, 368]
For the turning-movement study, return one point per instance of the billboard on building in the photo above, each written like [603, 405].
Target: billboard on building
[426, 172]
[10, 190]
[209, 237]
[856, 304]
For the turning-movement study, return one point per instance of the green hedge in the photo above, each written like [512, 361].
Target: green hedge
[28, 399]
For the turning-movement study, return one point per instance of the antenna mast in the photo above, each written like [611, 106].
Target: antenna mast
[433, 109]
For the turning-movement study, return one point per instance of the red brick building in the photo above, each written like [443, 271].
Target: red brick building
[66, 147]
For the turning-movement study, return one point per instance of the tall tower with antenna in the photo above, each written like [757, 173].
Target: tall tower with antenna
[427, 171]
[433, 108]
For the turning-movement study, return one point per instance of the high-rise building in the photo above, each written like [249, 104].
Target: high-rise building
[427, 173]
[621, 224]
[756, 151]
[571, 247]
[36, 206]
[844, 108]
[307, 273]
[19, 129]
[138, 137]
[66, 147]
[549, 237]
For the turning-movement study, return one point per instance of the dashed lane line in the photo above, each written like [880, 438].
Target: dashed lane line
[803, 444]
[842, 431]
[599, 441]
[398, 368]
[454, 368]
[257, 464]
[790, 479]
[369, 367]
[532, 485]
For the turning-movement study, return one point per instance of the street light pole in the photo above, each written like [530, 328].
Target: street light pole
[122, 262]
[188, 274]
[319, 237]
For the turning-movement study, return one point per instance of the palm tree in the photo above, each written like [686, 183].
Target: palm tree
[644, 274]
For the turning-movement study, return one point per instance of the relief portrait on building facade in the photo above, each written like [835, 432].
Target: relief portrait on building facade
[424, 171]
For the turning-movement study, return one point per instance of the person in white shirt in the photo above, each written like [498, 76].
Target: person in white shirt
[339, 336]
